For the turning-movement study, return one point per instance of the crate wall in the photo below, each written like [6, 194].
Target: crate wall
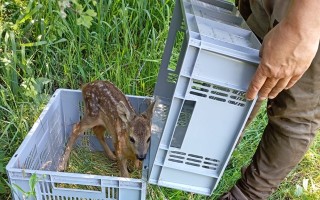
[204, 95]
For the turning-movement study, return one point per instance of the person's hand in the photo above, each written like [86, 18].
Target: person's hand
[285, 55]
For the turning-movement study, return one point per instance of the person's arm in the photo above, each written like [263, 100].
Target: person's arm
[287, 50]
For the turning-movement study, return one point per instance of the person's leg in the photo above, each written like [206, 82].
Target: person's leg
[244, 8]
[294, 117]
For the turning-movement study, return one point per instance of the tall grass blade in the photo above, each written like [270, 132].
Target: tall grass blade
[13, 70]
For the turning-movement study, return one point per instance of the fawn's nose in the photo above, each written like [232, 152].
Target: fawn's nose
[141, 157]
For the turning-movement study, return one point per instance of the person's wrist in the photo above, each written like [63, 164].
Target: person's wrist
[298, 33]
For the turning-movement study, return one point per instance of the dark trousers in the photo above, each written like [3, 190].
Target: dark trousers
[294, 118]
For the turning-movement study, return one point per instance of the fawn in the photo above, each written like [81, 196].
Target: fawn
[107, 108]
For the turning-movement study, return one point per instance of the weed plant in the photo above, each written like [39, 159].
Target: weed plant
[50, 44]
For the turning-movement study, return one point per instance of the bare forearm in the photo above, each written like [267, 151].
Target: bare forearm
[304, 18]
[287, 50]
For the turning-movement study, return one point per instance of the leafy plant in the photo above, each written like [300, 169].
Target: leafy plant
[33, 87]
[85, 15]
[33, 180]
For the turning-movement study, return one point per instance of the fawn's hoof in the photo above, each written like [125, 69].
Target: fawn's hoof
[125, 175]
[111, 156]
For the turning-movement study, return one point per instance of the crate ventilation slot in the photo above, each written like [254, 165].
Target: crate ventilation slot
[218, 93]
[172, 78]
[45, 187]
[182, 124]
[31, 161]
[185, 117]
[81, 109]
[193, 160]
[162, 111]
[40, 158]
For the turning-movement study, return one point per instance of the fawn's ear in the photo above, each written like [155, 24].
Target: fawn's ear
[148, 113]
[124, 113]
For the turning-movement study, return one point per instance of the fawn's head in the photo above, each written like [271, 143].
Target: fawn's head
[138, 129]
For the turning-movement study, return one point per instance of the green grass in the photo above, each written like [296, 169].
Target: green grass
[84, 161]
[40, 51]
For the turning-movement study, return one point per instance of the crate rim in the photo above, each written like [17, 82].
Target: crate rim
[69, 174]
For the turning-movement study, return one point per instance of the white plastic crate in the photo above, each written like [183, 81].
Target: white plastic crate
[45, 144]
[204, 95]
[199, 115]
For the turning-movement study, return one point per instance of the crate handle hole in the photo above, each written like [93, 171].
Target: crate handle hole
[77, 187]
[194, 160]
[211, 159]
[195, 156]
[198, 94]
[178, 157]
[217, 98]
[177, 152]
[208, 167]
[193, 164]
[174, 160]
[200, 89]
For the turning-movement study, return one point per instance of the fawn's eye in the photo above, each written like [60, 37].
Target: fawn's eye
[132, 139]
[148, 140]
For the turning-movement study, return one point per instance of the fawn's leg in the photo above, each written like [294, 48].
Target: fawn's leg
[137, 164]
[123, 165]
[99, 131]
[78, 128]
[122, 160]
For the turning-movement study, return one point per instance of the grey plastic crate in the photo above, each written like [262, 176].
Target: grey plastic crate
[44, 145]
[203, 96]
[199, 114]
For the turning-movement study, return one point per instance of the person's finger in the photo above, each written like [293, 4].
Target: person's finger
[293, 81]
[268, 85]
[282, 83]
[255, 85]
